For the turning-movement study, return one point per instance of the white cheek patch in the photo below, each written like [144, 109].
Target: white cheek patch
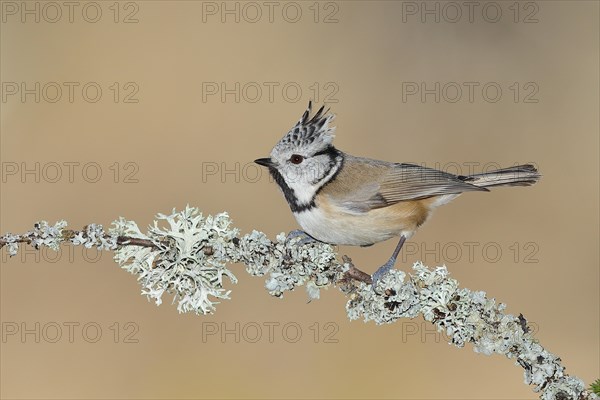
[307, 183]
[303, 192]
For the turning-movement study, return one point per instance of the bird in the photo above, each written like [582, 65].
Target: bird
[341, 199]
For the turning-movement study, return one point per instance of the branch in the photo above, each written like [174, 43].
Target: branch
[65, 237]
[187, 254]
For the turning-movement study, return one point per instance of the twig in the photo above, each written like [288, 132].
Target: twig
[189, 254]
[355, 273]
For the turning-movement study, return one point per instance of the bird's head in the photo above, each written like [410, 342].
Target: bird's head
[304, 159]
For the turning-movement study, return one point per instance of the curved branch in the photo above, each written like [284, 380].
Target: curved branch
[188, 256]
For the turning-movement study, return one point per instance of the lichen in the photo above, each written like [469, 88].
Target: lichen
[313, 264]
[187, 255]
[393, 298]
[189, 259]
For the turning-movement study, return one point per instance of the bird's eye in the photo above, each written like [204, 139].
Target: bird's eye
[296, 158]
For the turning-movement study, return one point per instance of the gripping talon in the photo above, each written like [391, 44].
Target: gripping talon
[305, 238]
[385, 268]
[381, 272]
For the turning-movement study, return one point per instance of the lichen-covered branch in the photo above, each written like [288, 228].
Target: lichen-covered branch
[187, 255]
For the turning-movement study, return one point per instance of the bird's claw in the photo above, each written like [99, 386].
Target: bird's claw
[381, 272]
[305, 238]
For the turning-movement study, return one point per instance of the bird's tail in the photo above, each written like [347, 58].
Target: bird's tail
[521, 175]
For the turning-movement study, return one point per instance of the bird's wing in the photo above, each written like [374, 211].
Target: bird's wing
[365, 184]
[356, 185]
[413, 182]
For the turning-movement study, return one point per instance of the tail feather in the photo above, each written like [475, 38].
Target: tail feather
[520, 175]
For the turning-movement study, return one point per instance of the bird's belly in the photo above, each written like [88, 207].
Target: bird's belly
[354, 229]
[341, 229]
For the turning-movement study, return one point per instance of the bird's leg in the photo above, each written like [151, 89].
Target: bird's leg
[385, 268]
[305, 238]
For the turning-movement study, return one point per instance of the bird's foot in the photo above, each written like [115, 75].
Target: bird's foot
[305, 238]
[381, 272]
[385, 268]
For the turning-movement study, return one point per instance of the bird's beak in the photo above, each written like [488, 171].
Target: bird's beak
[264, 161]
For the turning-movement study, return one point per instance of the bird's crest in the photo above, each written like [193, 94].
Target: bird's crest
[309, 133]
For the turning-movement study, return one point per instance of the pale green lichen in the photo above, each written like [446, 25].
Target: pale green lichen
[313, 263]
[189, 259]
[190, 254]
[47, 235]
[289, 265]
[51, 236]
[94, 236]
[255, 250]
[12, 243]
[466, 317]
[393, 298]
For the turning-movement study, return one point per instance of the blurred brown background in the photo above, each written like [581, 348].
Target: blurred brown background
[171, 101]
